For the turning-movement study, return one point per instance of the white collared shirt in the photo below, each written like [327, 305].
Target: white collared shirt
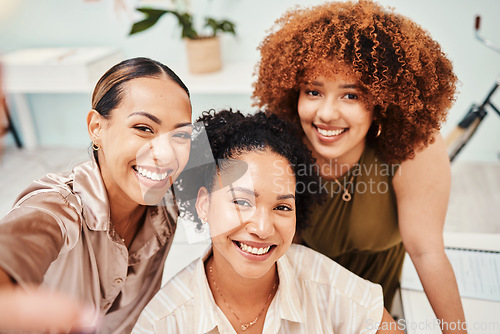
[315, 295]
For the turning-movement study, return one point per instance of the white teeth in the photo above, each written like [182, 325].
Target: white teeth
[330, 133]
[254, 250]
[151, 175]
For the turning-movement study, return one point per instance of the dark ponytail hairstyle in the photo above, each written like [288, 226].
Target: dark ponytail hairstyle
[108, 92]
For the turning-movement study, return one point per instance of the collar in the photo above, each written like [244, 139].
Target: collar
[288, 294]
[205, 309]
[285, 305]
[89, 186]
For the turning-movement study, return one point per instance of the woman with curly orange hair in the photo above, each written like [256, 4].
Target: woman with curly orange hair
[370, 89]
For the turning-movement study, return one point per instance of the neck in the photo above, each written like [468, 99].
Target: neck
[240, 292]
[336, 167]
[127, 221]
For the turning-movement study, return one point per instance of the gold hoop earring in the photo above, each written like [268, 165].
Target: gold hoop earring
[95, 147]
[379, 130]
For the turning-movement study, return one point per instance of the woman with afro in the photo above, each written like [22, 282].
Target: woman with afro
[370, 89]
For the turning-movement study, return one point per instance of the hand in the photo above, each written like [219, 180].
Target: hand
[35, 309]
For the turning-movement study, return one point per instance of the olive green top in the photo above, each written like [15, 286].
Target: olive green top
[361, 234]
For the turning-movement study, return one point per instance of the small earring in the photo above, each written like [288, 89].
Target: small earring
[95, 147]
[379, 130]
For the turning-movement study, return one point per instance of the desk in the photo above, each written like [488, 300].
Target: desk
[52, 70]
[481, 315]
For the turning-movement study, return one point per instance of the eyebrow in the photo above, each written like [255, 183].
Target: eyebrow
[243, 190]
[317, 83]
[180, 125]
[148, 115]
[345, 86]
[287, 196]
[157, 120]
[349, 86]
[253, 193]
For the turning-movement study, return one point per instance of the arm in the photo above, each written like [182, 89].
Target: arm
[30, 239]
[422, 187]
[37, 309]
[388, 325]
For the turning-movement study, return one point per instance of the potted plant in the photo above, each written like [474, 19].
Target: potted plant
[203, 49]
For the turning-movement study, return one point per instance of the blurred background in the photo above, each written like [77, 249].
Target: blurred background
[48, 93]
[59, 118]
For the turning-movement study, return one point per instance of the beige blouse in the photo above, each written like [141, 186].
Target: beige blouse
[315, 295]
[59, 235]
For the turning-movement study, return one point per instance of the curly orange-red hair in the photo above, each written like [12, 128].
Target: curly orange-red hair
[409, 79]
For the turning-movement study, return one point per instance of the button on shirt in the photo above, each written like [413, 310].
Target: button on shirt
[315, 295]
[59, 235]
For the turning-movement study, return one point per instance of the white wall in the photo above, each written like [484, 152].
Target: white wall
[60, 118]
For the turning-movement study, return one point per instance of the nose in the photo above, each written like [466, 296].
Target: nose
[328, 111]
[162, 150]
[261, 224]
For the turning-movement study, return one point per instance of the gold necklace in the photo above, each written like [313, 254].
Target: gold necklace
[244, 326]
[346, 196]
[123, 235]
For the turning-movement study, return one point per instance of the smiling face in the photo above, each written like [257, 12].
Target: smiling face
[145, 143]
[334, 119]
[252, 220]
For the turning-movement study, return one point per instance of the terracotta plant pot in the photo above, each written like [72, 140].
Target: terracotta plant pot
[203, 55]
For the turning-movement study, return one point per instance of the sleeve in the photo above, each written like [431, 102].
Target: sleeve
[144, 325]
[374, 310]
[176, 322]
[358, 305]
[32, 235]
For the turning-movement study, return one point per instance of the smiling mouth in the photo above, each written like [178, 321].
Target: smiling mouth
[331, 133]
[254, 250]
[154, 176]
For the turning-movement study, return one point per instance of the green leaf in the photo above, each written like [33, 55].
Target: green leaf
[152, 16]
[185, 21]
[227, 26]
[212, 24]
[222, 25]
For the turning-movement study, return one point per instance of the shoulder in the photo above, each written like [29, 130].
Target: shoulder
[50, 203]
[430, 165]
[53, 187]
[172, 304]
[323, 273]
[52, 193]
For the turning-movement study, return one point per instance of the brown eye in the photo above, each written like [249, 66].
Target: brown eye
[284, 208]
[351, 96]
[143, 128]
[312, 92]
